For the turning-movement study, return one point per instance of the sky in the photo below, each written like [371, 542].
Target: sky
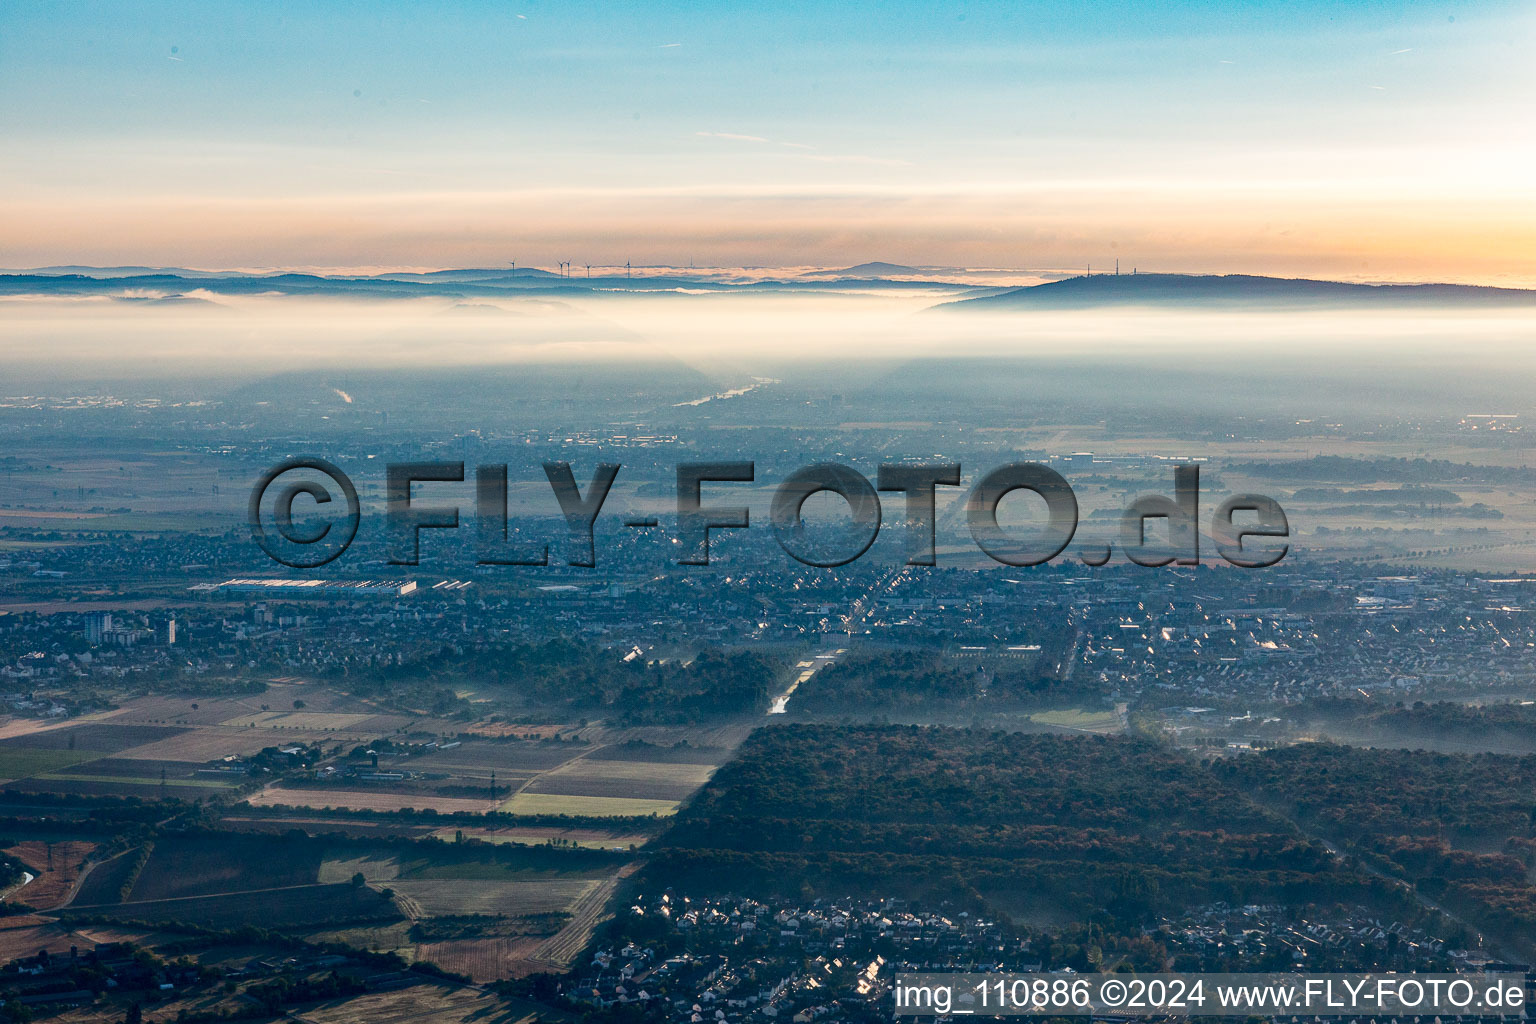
[1362, 141]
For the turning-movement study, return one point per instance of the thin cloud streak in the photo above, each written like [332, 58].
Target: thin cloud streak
[734, 136]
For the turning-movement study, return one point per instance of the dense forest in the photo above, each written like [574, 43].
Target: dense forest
[925, 679]
[1460, 827]
[1509, 724]
[584, 679]
[1089, 826]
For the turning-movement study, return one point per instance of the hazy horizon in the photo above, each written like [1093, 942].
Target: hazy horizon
[1315, 140]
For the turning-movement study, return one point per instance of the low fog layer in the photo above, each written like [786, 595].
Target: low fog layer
[1442, 359]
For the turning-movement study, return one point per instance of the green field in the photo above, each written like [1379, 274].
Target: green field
[594, 806]
[24, 762]
[1076, 718]
[130, 780]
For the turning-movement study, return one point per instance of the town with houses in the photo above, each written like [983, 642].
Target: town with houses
[741, 960]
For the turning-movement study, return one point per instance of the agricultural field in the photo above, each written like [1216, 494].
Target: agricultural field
[85, 769]
[101, 737]
[393, 937]
[24, 935]
[317, 721]
[475, 912]
[253, 819]
[181, 871]
[588, 806]
[112, 758]
[375, 799]
[20, 763]
[481, 905]
[319, 712]
[375, 867]
[683, 753]
[476, 758]
[496, 899]
[131, 777]
[173, 1006]
[180, 868]
[626, 786]
[10, 728]
[452, 897]
[600, 779]
[145, 790]
[441, 1004]
[559, 952]
[643, 780]
[544, 922]
[154, 747]
[203, 745]
[1080, 720]
[483, 959]
[130, 769]
[286, 909]
[104, 883]
[50, 887]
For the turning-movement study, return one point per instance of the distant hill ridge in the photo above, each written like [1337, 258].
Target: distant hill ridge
[1187, 291]
[1234, 290]
[875, 269]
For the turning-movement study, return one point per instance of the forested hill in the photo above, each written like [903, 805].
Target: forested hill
[1237, 291]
